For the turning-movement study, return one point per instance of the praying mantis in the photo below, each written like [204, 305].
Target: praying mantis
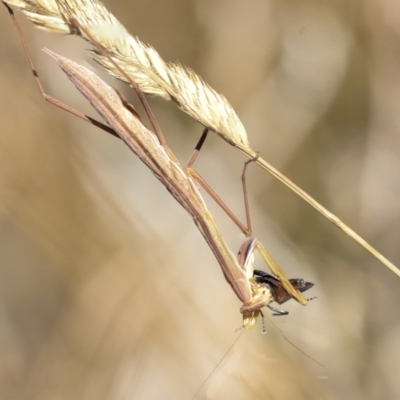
[180, 183]
[238, 276]
[124, 122]
[309, 315]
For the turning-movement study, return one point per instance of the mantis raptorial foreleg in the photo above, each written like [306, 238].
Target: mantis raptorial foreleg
[267, 288]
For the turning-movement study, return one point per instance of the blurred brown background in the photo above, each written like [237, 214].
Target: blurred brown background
[107, 290]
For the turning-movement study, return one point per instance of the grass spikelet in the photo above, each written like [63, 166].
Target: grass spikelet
[140, 62]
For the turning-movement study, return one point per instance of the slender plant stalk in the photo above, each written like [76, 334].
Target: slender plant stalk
[143, 65]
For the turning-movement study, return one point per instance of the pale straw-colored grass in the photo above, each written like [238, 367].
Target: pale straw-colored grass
[140, 62]
[143, 65]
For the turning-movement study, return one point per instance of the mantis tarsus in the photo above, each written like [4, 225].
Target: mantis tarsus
[180, 182]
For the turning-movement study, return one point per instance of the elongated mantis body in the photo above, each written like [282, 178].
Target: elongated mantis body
[180, 183]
